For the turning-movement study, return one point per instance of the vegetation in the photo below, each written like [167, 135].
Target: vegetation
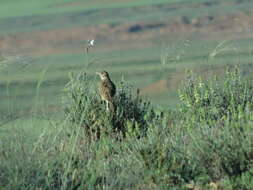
[206, 144]
[55, 132]
[208, 102]
[84, 108]
[63, 26]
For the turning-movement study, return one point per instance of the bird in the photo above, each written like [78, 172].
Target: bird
[90, 44]
[107, 90]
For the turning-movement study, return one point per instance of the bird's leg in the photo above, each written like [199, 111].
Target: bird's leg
[107, 105]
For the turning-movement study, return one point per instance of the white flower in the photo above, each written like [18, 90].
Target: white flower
[91, 42]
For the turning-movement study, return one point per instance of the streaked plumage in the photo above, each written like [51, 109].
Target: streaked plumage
[107, 90]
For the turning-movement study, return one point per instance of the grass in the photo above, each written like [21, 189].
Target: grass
[176, 149]
[63, 6]
[36, 15]
[177, 143]
[48, 7]
[132, 64]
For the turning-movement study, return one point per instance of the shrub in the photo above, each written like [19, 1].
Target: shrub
[211, 101]
[222, 151]
[169, 156]
[83, 107]
[218, 116]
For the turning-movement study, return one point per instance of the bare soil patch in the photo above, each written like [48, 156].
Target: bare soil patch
[157, 87]
[128, 35]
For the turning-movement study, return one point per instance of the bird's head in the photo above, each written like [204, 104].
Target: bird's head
[103, 75]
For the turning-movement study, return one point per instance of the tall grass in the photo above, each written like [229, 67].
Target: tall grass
[207, 143]
[85, 109]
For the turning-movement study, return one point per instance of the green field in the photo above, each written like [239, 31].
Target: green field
[151, 44]
[26, 20]
[140, 50]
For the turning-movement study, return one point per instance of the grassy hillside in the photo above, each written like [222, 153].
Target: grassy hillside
[206, 144]
[196, 134]
[150, 43]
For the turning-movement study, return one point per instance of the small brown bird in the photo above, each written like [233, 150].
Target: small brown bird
[107, 90]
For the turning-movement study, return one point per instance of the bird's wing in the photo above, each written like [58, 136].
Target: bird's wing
[109, 90]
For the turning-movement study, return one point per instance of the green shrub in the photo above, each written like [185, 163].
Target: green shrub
[222, 151]
[218, 116]
[199, 155]
[212, 101]
[167, 156]
[83, 107]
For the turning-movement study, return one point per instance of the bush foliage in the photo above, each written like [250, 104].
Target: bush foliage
[215, 100]
[85, 108]
[206, 144]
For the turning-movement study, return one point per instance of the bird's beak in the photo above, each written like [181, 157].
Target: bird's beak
[99, 74]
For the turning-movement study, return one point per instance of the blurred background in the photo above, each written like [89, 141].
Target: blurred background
[149, 43]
